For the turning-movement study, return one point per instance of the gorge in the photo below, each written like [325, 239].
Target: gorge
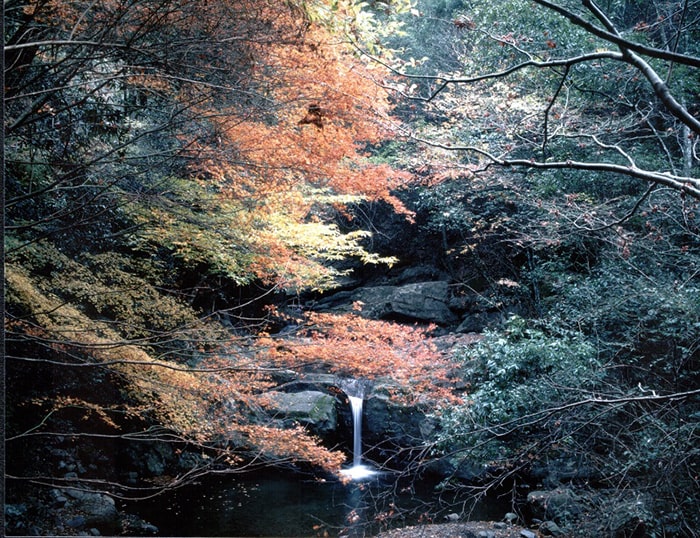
[345, 266]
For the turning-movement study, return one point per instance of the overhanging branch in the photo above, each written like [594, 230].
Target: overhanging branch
[686, 185]
[620, 41]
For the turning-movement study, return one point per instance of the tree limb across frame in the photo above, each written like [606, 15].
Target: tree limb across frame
[609, 156]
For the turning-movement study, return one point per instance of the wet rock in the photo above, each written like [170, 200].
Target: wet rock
[58, 498]
[388, 422]
[527, 534]
[150, 459]
[314, 409]
[15, 518]
[133, 525]
[77, 522]
[63, 466]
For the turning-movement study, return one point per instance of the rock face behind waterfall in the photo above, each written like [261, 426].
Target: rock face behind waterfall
[316, 402]
[389, 424]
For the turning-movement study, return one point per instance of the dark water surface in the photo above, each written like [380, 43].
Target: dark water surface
[290, 506]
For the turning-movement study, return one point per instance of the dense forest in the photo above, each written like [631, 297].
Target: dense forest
[485, 212]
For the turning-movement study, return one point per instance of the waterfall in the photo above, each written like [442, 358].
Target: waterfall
[358, 471]
[356, 404]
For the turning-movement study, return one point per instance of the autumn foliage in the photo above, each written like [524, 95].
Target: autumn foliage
[217, 129]
[355, 347]
[302, 147]
[159, 156]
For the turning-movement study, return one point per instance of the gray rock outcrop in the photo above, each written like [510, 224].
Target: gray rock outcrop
[389, 423]
[422, 301]
[311, 408]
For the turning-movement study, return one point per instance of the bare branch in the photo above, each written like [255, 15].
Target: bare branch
[620, 41]
[686, 185]
[549, 109]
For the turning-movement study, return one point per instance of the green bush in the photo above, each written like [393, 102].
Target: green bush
[516, 374]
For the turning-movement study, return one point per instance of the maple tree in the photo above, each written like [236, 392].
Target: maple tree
[160, 155]
[211, 410]
[356, 347]
[153, 73]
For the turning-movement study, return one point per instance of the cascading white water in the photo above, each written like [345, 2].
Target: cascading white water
[356, 405]
[358, 471]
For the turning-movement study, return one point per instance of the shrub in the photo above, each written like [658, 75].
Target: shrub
[516, 375]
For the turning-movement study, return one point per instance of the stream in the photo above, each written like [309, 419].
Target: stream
[276, 504]
[287, 505]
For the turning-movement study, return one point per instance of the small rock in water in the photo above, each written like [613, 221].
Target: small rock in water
[527, 534]
[76, 522]
[59, 500]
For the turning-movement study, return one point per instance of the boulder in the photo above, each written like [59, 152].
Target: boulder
[630, 519]
[291, 381]
[549, 528]
[422, 301]
[477, 322]
[98, 510]
[150, 459]
[388, 422]
[460, 468]
[427, 301]
[418, 273]
[557, 471]
[311, 408]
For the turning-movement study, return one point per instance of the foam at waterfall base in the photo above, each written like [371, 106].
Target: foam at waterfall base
[358, 472]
